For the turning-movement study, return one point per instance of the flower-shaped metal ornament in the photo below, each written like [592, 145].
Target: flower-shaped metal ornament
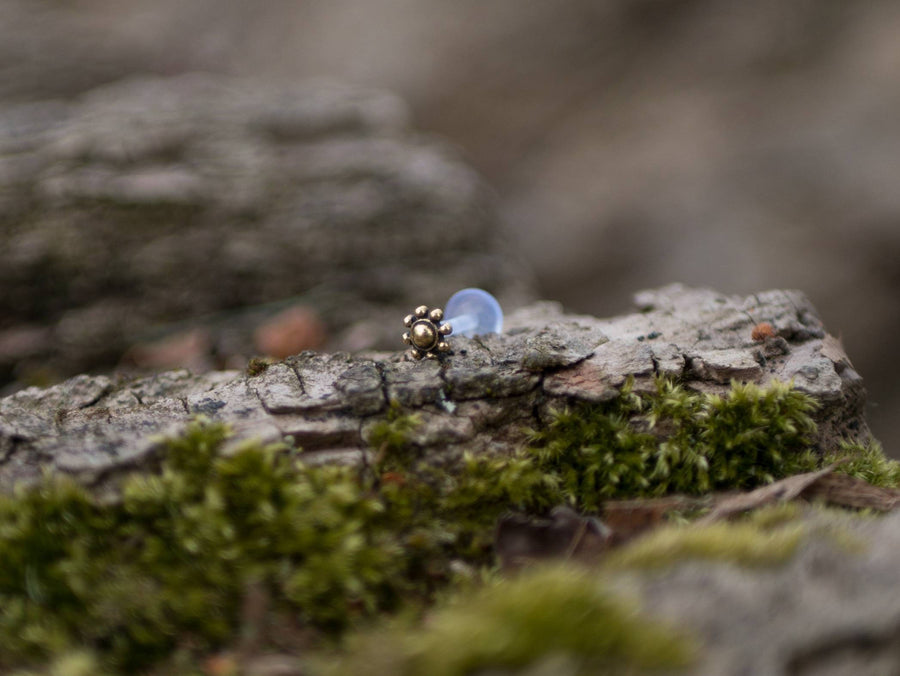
[426, 333]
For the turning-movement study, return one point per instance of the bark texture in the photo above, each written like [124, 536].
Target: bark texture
[480, 397]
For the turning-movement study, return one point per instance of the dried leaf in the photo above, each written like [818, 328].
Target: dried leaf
[781, 491]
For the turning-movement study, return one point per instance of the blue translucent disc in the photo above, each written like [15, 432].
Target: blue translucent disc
[473, 312]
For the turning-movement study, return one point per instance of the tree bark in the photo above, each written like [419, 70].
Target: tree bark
[481, 397]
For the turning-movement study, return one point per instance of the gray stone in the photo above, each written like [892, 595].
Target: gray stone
[218, 202]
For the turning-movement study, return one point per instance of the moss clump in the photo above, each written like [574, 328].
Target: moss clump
[390, 440]
[258, 365]
[556, 614]
[446, 512]
[168, 564]
[867, 462]
[767, 536]
[749, 543]
[674, 440]
[671, 440]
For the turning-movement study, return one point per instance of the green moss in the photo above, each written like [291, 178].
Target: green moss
[390, 438]
[774, 516]
[767, 536]
[439, 514]
[677, 441]
[867, 462]
[550, 615]
[163, 570]
[755, 435]
[258, 365]
[168, 564]
[744, 543]
[77, 663]
[444, 512]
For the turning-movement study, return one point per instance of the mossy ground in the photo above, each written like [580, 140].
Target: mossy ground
[159, 576]
[868, 462]
[678, 441]
[560, 612]
[767, 537]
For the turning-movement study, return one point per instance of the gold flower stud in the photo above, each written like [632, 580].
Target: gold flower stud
[426, 333]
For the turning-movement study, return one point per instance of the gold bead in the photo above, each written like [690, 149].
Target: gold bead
[424, 335]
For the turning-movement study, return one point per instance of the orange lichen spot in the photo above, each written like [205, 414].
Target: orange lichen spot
[762, 331]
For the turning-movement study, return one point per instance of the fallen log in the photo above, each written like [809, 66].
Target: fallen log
[482, 396]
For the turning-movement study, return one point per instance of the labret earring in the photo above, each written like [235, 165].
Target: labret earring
[472, 312]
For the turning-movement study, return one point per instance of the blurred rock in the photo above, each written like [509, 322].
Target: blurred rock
[156, 202]
[191, 350]
[830, 610]
[274, 665]
[290, 332]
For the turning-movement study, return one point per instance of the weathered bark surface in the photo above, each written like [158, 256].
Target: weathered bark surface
[482, 396]
[155, 201]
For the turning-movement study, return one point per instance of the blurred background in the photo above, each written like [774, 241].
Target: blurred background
[626, 144]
